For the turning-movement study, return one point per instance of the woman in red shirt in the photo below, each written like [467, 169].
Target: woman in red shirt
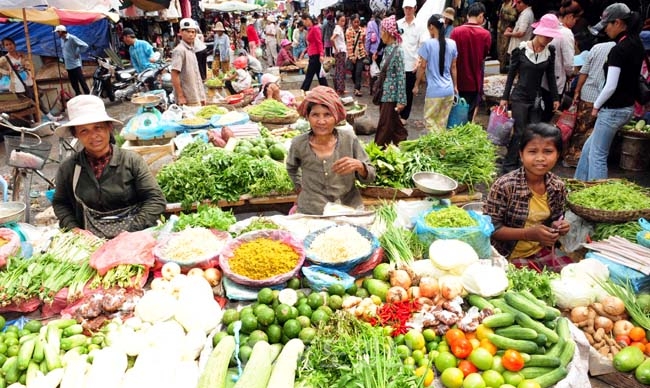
[253, 38]
[315, 51]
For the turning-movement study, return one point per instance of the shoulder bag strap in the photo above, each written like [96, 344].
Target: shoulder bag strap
[11, 64]
[75, 180]
[384, 69]
[354, 47]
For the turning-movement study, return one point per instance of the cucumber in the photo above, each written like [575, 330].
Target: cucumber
[214, 373]
[542, 360]
[499, 320]
[557, 348]
[551, 312]
[526, 321]
[522, 304]
[480, 302]
[62, 323]
[567, 353]
[10, 368]
[562, 328]
[551, 324]
[530, 372]
[504, 307]
[551, 378]
[3, 383]
[25, 354]
[540, 339]
[72, 330]
[39, 352]
[68, 343]
[502, 342]
[518, 333]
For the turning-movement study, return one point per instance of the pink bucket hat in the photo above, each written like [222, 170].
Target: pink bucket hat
[285, 42]
[548, 26]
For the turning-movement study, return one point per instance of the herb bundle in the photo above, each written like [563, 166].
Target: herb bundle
[520, 279]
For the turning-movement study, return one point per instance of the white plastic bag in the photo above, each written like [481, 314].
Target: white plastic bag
[374, 69]
[322, 73]
[173, 113]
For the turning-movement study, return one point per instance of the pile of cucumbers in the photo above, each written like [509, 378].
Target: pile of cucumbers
[530, 326]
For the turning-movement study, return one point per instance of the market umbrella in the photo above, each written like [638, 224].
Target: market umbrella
[231, 6]
[315, 6]
[52, 16]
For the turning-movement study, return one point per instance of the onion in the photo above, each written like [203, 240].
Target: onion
[579, 314]
[169, 270]
[428, 287]
[414, 292]
[400, 278]
[622, 327]
[195, 272]
[613, 305]
[396, 294]
[604, 323]
[213, 276]
[422, 301]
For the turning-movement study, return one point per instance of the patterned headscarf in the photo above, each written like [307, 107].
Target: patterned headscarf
[389, 25]
[326, 96]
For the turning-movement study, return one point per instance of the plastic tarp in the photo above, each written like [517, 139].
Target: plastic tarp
[43, 39]
[82, 5]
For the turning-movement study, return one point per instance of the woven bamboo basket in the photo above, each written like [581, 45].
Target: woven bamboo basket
[16, 105]
[357, 113]
[288, 119]
[640, 135]
[246, 101]
[609, 216]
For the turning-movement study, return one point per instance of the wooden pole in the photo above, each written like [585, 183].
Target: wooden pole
[29, 55]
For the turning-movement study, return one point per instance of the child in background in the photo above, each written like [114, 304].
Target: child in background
[527, 204]
[242, 78]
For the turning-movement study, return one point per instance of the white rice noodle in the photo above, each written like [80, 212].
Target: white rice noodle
[338, 244]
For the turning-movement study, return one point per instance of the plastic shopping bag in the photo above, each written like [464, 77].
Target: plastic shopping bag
[374, 69]
[459, 112]
[322, 73]
[500, 126]
[567, 122]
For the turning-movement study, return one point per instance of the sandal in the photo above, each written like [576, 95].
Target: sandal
[358, 93]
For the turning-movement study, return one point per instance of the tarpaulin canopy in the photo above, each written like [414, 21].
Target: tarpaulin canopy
[55, 16]
[77, 5]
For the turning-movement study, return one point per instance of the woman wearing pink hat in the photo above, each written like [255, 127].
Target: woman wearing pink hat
[531, 60]
[285, 56]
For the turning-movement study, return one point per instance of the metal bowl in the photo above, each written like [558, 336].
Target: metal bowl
[475, 206]
[11, 212]
[434, 183]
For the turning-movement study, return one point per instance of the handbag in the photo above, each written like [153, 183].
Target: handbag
[500, 126]
[459, 112]
[567, 121]
[643, 90]
[29, 91]
[348, 63]
[106, 224]
[379, 89]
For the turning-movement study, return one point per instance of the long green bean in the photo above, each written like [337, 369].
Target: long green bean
[615, 196]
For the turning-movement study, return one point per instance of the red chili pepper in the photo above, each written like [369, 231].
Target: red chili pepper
[395, 315]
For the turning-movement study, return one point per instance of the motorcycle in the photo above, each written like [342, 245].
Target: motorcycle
[104, 86]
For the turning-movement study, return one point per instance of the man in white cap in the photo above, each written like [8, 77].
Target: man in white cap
[270, 31]
[71, 48]
[412, 39]
[186, 77]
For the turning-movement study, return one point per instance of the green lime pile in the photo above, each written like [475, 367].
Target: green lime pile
[261, 147]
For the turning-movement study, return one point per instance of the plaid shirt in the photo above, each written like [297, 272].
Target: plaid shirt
[508, 201]
[351, 37]
[99, 164]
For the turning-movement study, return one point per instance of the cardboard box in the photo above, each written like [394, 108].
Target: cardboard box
[156, 156]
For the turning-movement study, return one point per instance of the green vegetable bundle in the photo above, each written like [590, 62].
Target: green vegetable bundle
[211, 217]
[627, 230]
[463, 153]
[208, 111]
[449, 217]
[613, 196]
[270, 108]
[206, 172]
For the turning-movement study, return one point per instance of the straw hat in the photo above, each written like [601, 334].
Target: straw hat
[449, 13]
[219, 27]
[84, 109]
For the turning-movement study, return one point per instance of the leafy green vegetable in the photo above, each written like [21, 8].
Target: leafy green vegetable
[260, 223]
[211, 217]
[627, 230]
[539, 284]
[449, 217]
[615, 196]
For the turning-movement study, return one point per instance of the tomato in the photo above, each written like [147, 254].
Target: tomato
[512, 360]
[639, 345]
[470, 335]
[647, 349]
[454, 334]
[486, 344]
[636, 334]
[623, 340]
[461, 348]
[467, 367]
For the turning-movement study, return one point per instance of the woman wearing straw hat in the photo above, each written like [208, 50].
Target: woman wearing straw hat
[220, 50]
[103, 178]
[531, 60]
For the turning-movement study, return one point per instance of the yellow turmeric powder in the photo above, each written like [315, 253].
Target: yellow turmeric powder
[263, 258]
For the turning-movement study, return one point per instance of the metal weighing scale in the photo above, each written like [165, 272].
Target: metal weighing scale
[10, 214]
[146, 124]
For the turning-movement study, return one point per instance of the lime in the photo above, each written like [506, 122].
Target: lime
[3, 348]
[336, 289]
[265, 295]
[282, 313]
[452, 378]
[293, 283]
[430, 335]
[304, 310]
[473, 380]
[12, 329]
[300, 294]
[3, 358]
[335, 302]
[301, 301]
[248, 310]
[274, 332]
[315, 300]
[352, 290]
[327, 309]
[218, 337]
[265, 315]
[288, 296]
[418, 355]
[243, 339]
[257, 336]
[245, 352]
[403, 351]
[2, 322]
[230, 329]
[10, 341]
[493, 379]
[307, 334]
[414, 339]
[362, 293]
[230, 315]
[248, 324]
[23, 332]
[319, 316]
[431, 346]
[13, 350]
[399, 339]
[33, 326]
[291, 328]
[445, 360]
[381, 272]
[304, 321]
[293, 312]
